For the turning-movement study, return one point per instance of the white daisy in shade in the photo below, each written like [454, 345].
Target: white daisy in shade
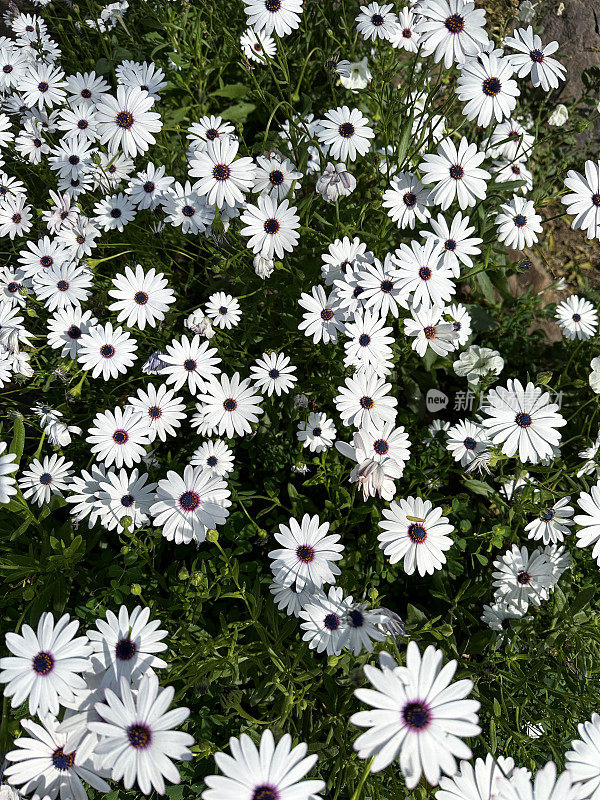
[78, 120]
[317, 433]
[224, 310]
[8, 485]
[50, 763]
[522, 578]
[222, 177]
[62, 214]
[518, 224]
[141, 297]
[191, 361]
[417, 533]
[42, 255]
[62, 286]
[456, 173]
[162, 410]
[420, 274]
[45, 664]
[46, 478]
[589, 521]
[266, 16]
[15, 216]
[275, 176]
[583, 761]
[146, 76]
[552, 523]
[487, 87]
[477, 362]
[288, 598]
[362, 626]
[106, 352]
[365, 399]
[308, 553]
[577, 317]
[406, 200]
[11, 287]
[119, 437]
[66, 328]
[368, 346]
[429, 330]
[417, 716]
[148, 187]
[594, 376]
[323, 318]
[342, 256]
[345, 133]
[259, 47]
[381, 291]
[80, 239]
[497, 615]
[374, 473]
[272, 229]
[533, 58]
[86, 86]
[214, 457]
[347, 294]
[511, 141]
[466, 441]
[478, 781]
[272, 373]
[207, 130]
[126, 122]
[382, 442]
[188, 506]
[451, 29]
[268, 772]
[231, 405]
[583, 202]
[376, 21]
[43, 85]
[506, 171]
[455, 241]
[523, 420]
[127, 645]
[114, 212]
[125, 500]
[545, 786]
[405, 36]
[138, 740]
[324, 623]
[186, 209]
[460, 318]
[85, 489]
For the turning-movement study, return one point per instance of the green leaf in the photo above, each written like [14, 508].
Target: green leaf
[582, 599]
[239, 112]
[18, 440]
[234, 91]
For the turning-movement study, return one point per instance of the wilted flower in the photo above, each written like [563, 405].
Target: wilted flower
[357, 74]
[264, 267]
[199, 323]
[475, 362]
[559, 116]
[335, 182]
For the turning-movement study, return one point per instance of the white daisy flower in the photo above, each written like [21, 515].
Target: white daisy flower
[522, 578]
[45, 664]
[40, 256]
[11, 287]
[273, 373]
[272, 229]
[405, 36]
[192, 362]
[376, 21]
[477, 362]
[523, 420]
[416, 715]
[266, 16]
[552, 523]
[138, 741]
[546, 785]
[126, 122]
[259, 47]
[15, 216]
[146, 76]
[43, 85]
[421, 275]
[533, 58]
[417, 533]
[274, 176]
[368, 346]
[63, 214]
[407, 200]
[86, 86]
[188, 506]
[507, 171]
[269, 771]
[365, 400]
[456, 173]
[497, 615]
[288, 598]
[224, 310]
[466, 441]
[583, 202]
[325, 626]
[62, 286]
[307, 554]
[8, 485]
[487, 87]
[78, 120]
[428, 329]
[231, 405]
[317, 433]
[45, 478]
[114, 212]
[186, 209]
[451, 29]
[583, 761]
[207, 130]
[214, 457]
[106, 351]
[381, 290]
[518, 224]
[374, 473]
[511, 141]
[41, 765]
[323, 318]
[345, 133]
[163, 411]
[577, 318]
[149, 186]
[141, 297]
[67, 327]
[222, 177]
[119, 436]
[460, 318]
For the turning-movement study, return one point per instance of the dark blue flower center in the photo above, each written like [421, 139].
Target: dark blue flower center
[42, 663]
[127, 500]
[523, 420]
[305, 553]
[45, 479]
[125, 649]
[140, 736]
[62, 761]
[189, 501]
[416, 533]
[416, 715]
[332, 622]
[346, 130]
